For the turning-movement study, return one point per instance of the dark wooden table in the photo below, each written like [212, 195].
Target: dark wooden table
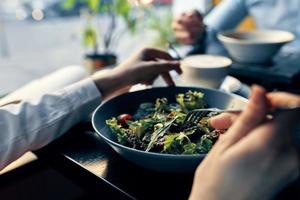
[82, 151]
[283, 73]
[82, 166]
[83, 148]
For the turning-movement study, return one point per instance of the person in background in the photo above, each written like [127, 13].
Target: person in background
[253, 160]
[193, 29]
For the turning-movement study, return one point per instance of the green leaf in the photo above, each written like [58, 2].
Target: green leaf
[161, 25]
[106, 7]
[161, 105]
[122, 7]
[113, 8]
[175, 143]
[89, 36]
[205, 144]
[159, 133]
[191, 100]
[168, 141]
[94, 5]
[117, 129]
[139, 127]
[68, 4]
[189, 148]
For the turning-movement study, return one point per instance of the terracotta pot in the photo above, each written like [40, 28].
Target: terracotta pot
[95, 62]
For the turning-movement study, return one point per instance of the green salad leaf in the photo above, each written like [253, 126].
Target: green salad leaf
[159, 133]
[158, 127]
[117, 128]
[190, 148]
[191, 100]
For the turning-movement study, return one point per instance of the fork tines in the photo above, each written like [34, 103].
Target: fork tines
[193, 117]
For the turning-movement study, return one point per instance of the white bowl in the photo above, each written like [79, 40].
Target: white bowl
[254, 46]
[204, 70]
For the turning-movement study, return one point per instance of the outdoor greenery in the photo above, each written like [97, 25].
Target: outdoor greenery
[114, 9]
[134, 16]
[160, 24]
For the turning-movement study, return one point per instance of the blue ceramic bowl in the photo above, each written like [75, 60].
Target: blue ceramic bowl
[129, 102]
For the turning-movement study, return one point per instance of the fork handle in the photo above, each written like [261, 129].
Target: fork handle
[275, 111]
[235, 111]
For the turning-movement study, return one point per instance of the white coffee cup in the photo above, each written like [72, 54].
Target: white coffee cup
[204, 70]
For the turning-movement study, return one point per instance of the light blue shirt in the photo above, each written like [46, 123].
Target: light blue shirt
[267, 14]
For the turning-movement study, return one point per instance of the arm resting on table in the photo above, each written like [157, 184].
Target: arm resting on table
[34, 123]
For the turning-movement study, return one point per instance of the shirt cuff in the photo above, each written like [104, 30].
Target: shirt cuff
[84, 97]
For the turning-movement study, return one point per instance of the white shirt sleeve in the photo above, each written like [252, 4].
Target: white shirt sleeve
[34, 123]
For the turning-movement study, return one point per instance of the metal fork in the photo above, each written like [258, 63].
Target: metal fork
[194, 116]
[171, 46]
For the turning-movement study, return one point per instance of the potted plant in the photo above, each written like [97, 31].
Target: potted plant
[160, 23]
[98, 40]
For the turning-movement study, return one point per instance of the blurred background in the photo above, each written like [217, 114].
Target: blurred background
[40, 36]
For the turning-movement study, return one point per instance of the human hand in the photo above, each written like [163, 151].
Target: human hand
[188, 27]
[275, 99]
[142, 67]
[254, 159]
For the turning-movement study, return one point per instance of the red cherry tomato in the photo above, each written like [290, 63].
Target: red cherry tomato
[123, 118]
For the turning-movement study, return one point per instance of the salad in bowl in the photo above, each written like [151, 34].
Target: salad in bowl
[160, 126]
[148, 128]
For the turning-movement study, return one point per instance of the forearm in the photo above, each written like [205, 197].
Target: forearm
[35, 123]
[110, 82]
[227, 15]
